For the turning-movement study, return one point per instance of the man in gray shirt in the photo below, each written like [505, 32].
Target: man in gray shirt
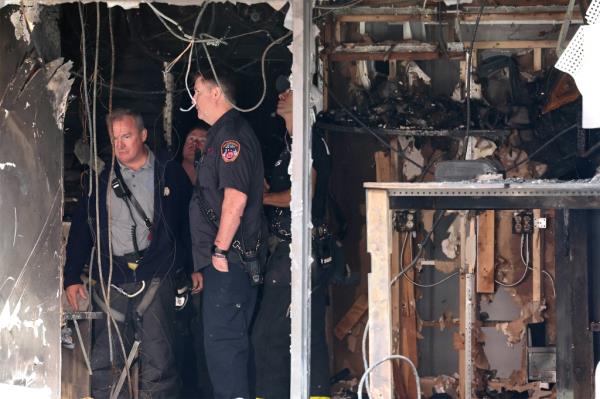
[141, 184]
[146, 213]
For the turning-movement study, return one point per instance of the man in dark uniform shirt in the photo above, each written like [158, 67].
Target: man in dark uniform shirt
[228, 194]
[271, 331]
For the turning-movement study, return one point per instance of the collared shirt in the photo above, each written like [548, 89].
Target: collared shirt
[232, 159]
[141, 185]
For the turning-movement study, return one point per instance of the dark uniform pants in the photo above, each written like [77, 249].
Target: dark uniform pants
[228, 306]
[189, 347]
[158, 378]
[272, 329]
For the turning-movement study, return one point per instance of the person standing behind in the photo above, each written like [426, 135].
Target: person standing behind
[225, 220]
[194, 144]
[150, 240]
[196, 380]
[272, 328]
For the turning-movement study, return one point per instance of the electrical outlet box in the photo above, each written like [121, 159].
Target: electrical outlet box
[405, 220]
[523, 222]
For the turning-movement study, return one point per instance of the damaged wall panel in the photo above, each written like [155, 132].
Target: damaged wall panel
[31, 162]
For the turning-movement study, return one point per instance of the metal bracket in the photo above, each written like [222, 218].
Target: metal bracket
[539, 223]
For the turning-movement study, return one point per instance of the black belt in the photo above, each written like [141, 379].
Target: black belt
[282, 235]
[132, 257]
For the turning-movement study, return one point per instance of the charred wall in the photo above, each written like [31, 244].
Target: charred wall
[32, 106]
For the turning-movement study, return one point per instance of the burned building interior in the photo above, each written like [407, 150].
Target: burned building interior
[463, 182]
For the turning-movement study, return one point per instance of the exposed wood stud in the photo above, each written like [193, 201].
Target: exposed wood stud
[537, 59]
[485, 256]
[408, 322]
[379, 235]
[353, 316]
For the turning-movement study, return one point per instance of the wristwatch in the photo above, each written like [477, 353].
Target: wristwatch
[220, 253]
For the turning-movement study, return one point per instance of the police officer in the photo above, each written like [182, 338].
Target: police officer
[225, 222]
[271, 331]
[150, 240]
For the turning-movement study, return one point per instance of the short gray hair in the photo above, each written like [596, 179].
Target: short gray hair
[119, 113]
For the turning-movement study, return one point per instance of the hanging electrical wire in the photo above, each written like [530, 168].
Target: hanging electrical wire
[526, 259]
[364, 356]
[93, 152]
[551, 281]
[189, 65]
[391, 357]
[130, 91]
[470, 74]
[546, 144]
[94, 144]
[404, 275]
[524, 238]
[263, 73]
[112, 164]
[209, 39]
[185, 38]
[368, 370]
[421, 248]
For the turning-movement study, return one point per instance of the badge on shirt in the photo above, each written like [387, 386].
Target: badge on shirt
[230, 150]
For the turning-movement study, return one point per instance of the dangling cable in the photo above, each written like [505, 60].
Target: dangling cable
[421, 248]
[264, 78]
[364, 356]
[525, 263]
[108, 188]
[391, 357]
[470, 75]
[94, 144]
[189, 65]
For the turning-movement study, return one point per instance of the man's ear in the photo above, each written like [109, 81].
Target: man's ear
[216, 91]
[144, 135]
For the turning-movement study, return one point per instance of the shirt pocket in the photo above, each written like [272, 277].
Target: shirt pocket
[207, 171]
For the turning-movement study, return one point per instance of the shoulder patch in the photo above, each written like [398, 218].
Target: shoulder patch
[230, 150]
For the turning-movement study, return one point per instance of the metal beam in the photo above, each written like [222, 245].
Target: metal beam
[301, 201]
[502, 194]
[453, 133]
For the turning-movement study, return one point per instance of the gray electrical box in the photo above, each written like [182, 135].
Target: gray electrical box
[541, 364]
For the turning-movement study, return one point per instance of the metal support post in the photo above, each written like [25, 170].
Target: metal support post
[301, 201]
[469, 256]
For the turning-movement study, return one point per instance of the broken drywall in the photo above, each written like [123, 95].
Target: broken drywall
[516, 329]
[24, 20]
[409, 169]
[59, 84]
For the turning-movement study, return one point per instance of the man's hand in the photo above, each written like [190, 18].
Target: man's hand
[197, 282]
[73, 292]
[220, 263]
